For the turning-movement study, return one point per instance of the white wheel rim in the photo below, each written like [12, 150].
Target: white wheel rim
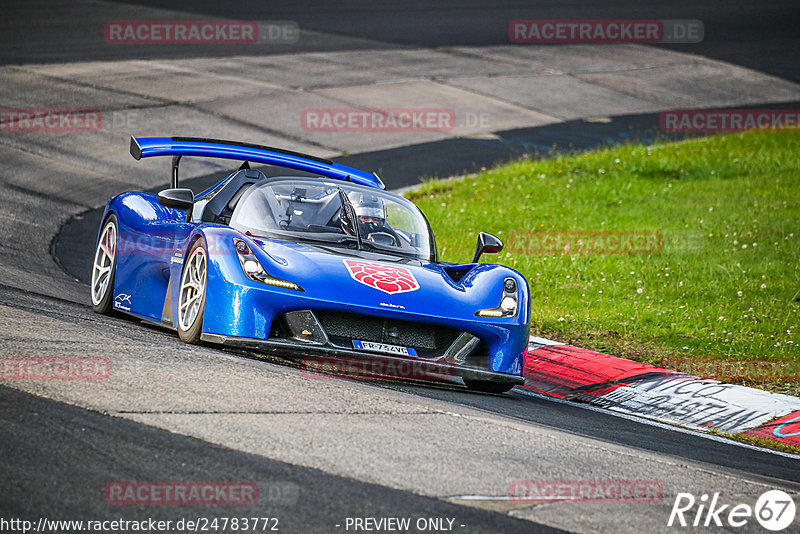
[103, 262]
[193, 287]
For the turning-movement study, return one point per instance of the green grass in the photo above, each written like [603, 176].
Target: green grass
[725, 284]
[761, 442]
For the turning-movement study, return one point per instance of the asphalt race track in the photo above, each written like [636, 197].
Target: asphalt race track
[321, 451]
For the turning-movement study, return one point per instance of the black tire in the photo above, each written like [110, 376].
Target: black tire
[189, 329]
[487, 386]
[103, 298]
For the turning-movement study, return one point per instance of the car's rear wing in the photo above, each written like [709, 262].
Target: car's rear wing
[145, 147]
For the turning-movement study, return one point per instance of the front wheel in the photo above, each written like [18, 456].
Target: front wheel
[105, 263]
[192, 294]
[487, 386]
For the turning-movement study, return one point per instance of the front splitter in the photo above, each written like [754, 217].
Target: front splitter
[363, 362]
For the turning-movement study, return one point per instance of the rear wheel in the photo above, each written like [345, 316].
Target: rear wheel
[192, 294]
[487, 386]
[105, 263]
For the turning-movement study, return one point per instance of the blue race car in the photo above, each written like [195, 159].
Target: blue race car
[327, 264]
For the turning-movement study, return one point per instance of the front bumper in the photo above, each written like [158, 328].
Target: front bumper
[416, 369]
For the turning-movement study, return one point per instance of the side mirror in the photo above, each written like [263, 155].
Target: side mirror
[180, 199]
[487, 244]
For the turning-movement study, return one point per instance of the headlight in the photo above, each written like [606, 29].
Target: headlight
[508, 303]
[253, 269]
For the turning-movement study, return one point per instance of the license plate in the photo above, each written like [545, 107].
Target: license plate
[383, 347]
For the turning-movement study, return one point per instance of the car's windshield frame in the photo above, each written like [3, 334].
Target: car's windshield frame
[406, 248]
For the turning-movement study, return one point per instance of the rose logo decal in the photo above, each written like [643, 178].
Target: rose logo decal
[386, 278]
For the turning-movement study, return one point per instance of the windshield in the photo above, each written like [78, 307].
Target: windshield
[337, 214]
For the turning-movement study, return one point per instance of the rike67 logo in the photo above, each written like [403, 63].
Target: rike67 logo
[774, 510]
[387, 278]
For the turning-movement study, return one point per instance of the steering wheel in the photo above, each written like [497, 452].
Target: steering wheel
[383, 238]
